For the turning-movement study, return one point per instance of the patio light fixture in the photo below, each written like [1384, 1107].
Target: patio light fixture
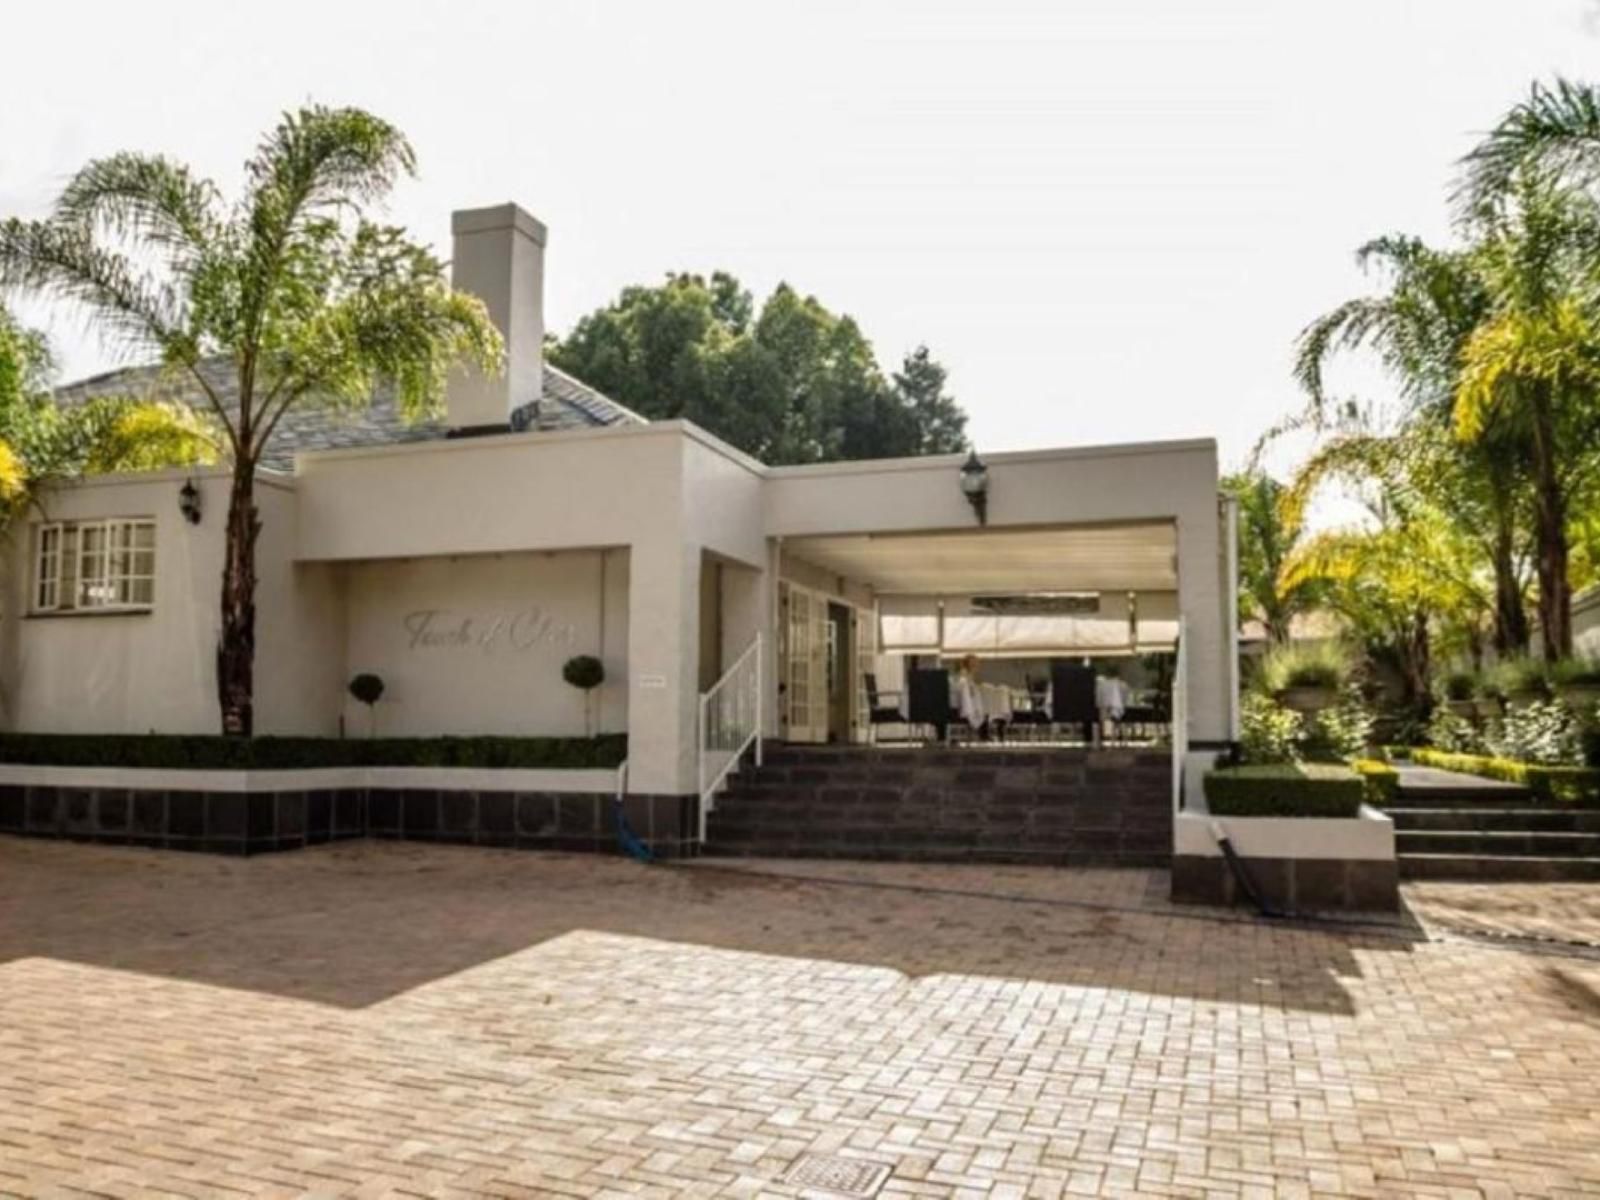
[189, 502]
[975, 486]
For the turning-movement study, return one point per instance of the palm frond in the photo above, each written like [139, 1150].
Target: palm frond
[147, 197]
[1555, 131]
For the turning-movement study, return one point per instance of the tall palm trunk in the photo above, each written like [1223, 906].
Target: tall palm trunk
[236, 650]
[1550, 524]
[1510, 617]
[1416, 653]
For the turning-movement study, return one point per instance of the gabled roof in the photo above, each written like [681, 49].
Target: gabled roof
[565, 403]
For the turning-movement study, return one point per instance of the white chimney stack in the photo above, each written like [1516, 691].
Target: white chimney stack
[499, 257]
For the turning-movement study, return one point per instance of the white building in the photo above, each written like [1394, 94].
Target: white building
[464, 570]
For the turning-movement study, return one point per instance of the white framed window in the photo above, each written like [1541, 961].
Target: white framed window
[95, 566]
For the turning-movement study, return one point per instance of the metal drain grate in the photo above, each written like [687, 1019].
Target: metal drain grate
[836, 1174]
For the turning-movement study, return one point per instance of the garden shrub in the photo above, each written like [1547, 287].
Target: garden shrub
[1452, 733]
[212, 752]
[1271, 733]
[1285, 790]
[1545, 732]
[1382, 780]
[1550, 784]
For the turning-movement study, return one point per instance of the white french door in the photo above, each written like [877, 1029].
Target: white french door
[865, 628]
[802, 661]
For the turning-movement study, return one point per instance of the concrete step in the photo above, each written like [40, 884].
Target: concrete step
[1496, 843]
[1509, 868]
[944, 852]
[1530, 819]
[1443, 797]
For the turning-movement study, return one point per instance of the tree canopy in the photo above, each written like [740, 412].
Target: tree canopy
[792, 383]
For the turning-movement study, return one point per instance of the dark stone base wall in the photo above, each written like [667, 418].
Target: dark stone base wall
[258, 822]
[1315, 884]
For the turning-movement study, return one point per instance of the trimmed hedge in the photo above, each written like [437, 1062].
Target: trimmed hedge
[1551, 785]
[212, 752]
[1381, 780]
[1285, 790]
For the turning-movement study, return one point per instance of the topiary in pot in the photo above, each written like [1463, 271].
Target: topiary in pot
[584, 672]
[1577, 682]
[1460, 689]
[368, 689]
[1306, 677]
[1522, 681]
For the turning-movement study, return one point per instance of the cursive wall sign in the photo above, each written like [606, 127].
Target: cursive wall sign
[525, 629]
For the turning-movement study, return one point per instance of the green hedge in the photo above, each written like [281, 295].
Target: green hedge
[1285, 790]
[1382, 781]
[208, 752]
[1553, 785]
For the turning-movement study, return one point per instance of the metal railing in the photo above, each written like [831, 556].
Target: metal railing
[1180, 715]
[729, 724]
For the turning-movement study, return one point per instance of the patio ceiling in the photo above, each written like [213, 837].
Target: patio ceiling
[1135, 557]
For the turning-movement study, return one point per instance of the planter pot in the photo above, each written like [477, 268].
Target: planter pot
[1488, 708]
[1307, 699]
[1515, 700]
[1462, 708]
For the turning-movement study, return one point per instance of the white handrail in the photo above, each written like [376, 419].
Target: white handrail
[1179, 710]
[728, 723]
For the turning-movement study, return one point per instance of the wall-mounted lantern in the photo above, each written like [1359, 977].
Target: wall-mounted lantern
[975, 486]
[189, 502]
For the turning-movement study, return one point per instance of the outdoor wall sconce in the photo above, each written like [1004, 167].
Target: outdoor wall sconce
[975, 486]
[189, 502]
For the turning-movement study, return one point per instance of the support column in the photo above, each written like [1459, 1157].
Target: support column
[1201, 600]
[663, 664]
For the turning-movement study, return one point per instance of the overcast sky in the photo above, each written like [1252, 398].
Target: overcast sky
[1108, 218]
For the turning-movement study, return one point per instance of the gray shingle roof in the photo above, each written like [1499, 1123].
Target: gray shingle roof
[566, 403]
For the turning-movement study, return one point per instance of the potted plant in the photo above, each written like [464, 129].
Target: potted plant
[1577, 682]
[1306, 677]
[368, 689]
[1522, 681]
[1488, 699]
[584, 672]
[1460, 693]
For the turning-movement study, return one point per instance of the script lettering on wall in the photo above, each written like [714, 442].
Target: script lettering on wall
[524, 629]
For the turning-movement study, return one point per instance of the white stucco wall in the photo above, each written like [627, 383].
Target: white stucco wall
[133, 672]
[475, 644]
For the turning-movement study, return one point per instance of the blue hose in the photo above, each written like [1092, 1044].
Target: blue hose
[627, 840]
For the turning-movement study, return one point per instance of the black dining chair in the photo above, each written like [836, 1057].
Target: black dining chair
[1072, 699]
[929, 689]
[881, 710]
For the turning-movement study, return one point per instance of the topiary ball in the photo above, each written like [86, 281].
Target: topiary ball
[366, 688]
[584, 671]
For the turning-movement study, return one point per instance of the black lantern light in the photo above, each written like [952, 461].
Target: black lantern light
[189, 502]
[975, 486]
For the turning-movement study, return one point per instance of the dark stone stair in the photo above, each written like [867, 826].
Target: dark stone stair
[1055, 806]
[1460, 827]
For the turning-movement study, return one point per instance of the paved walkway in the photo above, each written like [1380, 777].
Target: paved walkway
[1422, 780]
[397, 1019]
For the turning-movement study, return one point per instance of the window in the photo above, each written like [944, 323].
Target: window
[95, 566]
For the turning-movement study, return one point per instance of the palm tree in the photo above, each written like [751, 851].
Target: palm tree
[1533, 364]
[1268, 537]
[1419, 327]
[309, 301]
[1554, 132]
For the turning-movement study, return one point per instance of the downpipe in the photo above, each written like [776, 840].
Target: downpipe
[1241, 873]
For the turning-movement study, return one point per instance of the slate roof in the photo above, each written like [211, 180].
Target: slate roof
[566, 403]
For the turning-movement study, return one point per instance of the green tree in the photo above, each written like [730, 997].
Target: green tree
[1555, 132]
[309, 300]
[1268, 537]
[1533, 366]
[790, 383]
[41, 442]
[1419, 326]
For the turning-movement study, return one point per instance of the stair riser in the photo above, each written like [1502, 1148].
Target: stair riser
[1528, 821]
[1433, 798]
[941, 854]
[1549, 846]
[1533, 870]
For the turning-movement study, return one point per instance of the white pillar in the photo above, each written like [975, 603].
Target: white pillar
[1200, 599]
[663, 664]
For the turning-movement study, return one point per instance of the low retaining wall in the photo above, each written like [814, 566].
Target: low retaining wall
[253, 812]
[1295, 862]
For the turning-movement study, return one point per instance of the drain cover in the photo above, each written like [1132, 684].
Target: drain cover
[836, 1174]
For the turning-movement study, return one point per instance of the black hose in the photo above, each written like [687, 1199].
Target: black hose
[1241, 874]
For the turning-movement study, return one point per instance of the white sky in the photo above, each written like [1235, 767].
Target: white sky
[1109, 219]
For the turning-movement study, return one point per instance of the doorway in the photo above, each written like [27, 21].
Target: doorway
[840, 679]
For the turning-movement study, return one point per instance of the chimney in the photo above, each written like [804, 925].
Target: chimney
[499, 257]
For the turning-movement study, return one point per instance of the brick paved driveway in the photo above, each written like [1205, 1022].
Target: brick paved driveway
[373, 1019]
